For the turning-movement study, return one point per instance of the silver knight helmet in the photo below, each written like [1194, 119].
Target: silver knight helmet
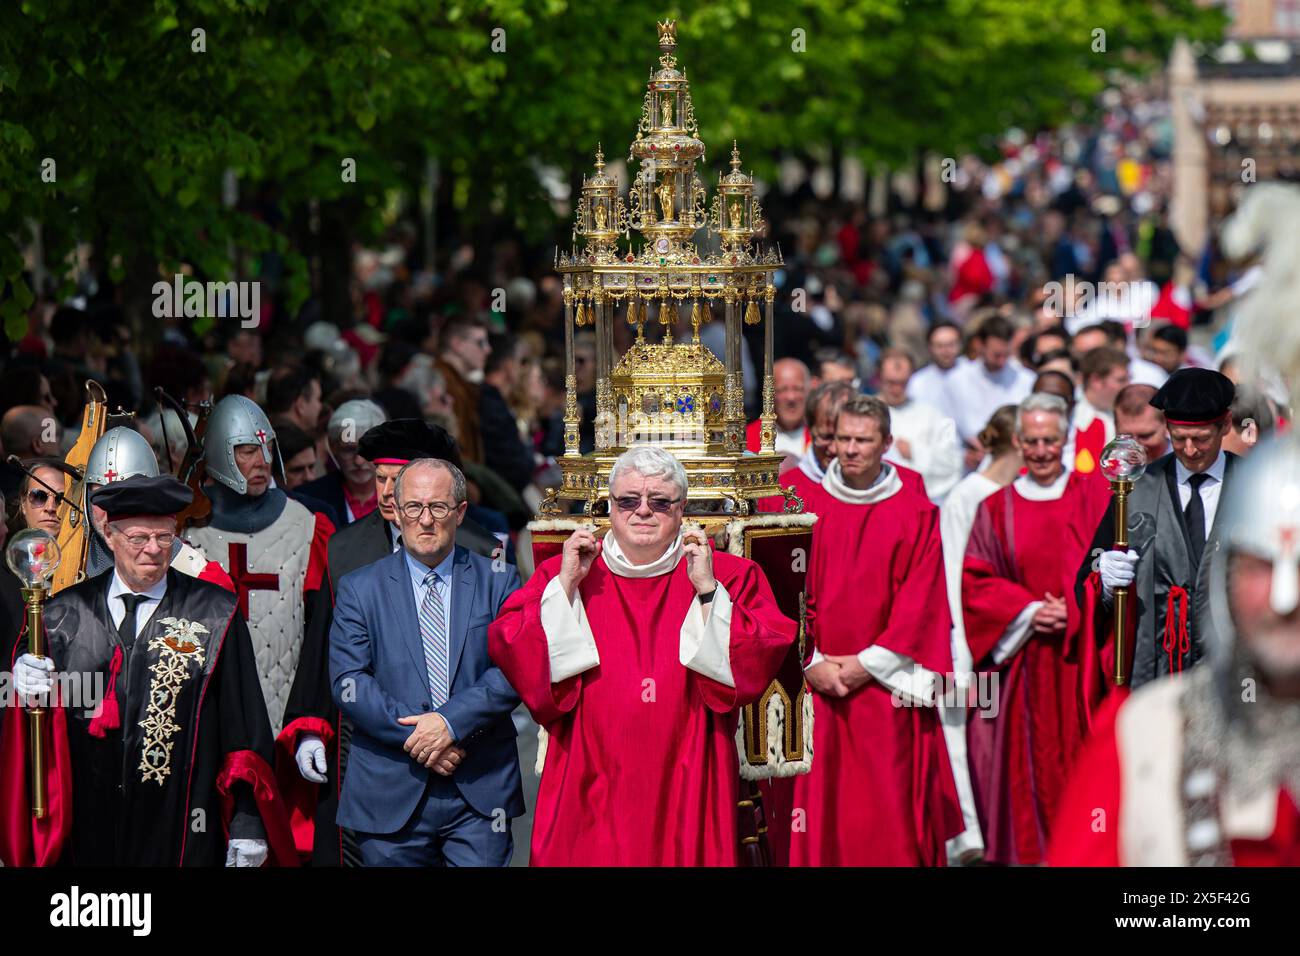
[1261, 518]
[120, 453]
[235, 420]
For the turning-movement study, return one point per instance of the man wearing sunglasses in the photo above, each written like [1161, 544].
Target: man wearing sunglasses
[633, 652]
[1172, 513]
[41, 495]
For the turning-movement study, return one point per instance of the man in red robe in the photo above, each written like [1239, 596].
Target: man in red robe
[634, 653]
[1203, 768]
[1023, 627]
[880, 792]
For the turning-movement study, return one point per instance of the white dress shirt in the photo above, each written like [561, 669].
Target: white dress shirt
[144, 611]
[1209, 490]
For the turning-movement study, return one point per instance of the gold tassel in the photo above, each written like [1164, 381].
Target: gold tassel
[579, 318]
[631, 312]
[751, 313]
[697, 315]
[708, 312]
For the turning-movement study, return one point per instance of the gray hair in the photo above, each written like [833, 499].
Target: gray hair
[649, 461]
[457, 476]
[1042, 402]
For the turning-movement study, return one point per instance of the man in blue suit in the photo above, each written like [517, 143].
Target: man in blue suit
[433, 775]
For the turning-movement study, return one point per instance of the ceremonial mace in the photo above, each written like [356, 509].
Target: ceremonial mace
[32, 555]
[1123, 462]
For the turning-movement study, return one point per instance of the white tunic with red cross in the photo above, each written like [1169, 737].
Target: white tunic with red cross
[273, 570]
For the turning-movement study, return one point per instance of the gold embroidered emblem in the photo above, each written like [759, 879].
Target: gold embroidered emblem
[178, 646]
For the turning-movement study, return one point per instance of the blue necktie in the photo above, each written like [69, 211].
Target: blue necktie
[433, 635]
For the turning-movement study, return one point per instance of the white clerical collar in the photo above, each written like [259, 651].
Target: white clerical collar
[619, 563]
[1215, 471]
[118, 587]
[811, 467]
[886, 485]
[1031, 490]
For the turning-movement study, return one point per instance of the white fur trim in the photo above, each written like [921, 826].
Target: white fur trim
[736, 529]
[777, 765]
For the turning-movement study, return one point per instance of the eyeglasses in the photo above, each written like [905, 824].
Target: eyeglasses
[414, 511]
[138, 541]
[657, 505]
[38, 498]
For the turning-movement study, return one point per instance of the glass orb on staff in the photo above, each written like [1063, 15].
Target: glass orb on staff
[33, 555]
[1123, 462]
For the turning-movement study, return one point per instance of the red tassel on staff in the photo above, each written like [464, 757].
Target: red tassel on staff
[1177, 641]
[106, 716]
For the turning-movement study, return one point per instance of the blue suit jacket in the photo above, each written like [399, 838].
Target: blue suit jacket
[378, 674]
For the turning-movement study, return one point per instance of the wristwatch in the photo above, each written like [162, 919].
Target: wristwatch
[706, 598]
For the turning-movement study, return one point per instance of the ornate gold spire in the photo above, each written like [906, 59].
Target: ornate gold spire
[676, 394]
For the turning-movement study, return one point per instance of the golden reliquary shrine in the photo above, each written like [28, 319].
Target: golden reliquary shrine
[658, 257]
[653, 257]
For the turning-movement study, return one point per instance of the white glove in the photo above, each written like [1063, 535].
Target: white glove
[246, 853]
[1117, 569]
[33, 676]
[310, 757]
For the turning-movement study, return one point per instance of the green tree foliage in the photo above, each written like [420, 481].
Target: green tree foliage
[142, 114]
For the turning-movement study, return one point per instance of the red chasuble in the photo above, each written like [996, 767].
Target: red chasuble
[641, 763]
[1021, 751]
[881, 791]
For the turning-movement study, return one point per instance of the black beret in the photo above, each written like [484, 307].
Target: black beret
[140, 495]
[1194, 396]
[404, 439]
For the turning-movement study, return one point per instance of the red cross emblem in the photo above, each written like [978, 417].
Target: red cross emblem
[261, 435]
[110, 475]
[246, 581]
